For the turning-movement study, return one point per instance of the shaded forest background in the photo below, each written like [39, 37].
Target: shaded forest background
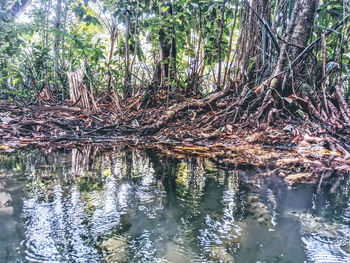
[280, 58]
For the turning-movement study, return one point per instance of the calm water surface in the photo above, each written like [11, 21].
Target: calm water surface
[85, 205]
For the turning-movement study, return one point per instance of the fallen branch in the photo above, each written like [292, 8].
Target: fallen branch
[58, 108]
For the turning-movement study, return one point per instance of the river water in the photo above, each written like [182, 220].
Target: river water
[123, 205]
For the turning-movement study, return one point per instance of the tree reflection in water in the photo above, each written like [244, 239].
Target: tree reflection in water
[86, 205]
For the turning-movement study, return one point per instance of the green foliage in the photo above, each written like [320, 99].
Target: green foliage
[87, 28]
[338, 44]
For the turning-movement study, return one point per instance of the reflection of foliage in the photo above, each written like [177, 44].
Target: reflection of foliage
[13, 162]
[189, 187]
[89, 182]
[182, 177]
[41, 182]
[106, 173]
[35, 187]
[209, 166]
[141, 166]
[112, 213]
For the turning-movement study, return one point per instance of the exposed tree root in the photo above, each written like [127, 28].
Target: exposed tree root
[254, 127]
[174, 110]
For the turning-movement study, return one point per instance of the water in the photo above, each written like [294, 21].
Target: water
[88, 205]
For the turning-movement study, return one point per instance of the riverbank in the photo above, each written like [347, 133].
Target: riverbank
[286, 149]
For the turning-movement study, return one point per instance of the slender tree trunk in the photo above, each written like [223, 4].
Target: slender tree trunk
[167, 44]
[64, 30]
[57, 35]
[196, 74]
[127, 53]
[63, 43]
[112, 39]
[227, 70]
[136, 37]
[46, 40]
[164, 47]
[163, 67]
[249, 59]
[222, 21]
[113, 33]
[46, 34]
[173, 45]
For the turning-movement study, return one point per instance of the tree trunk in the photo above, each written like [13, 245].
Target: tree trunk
[64, 27]
[164, 46]
[135, 38]
[173, 52]
[113, 33]
[167, 47]
[222, 21]
[227, 68]
[127, 53]
[249, 59]
[297, 35]
[57, 35]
